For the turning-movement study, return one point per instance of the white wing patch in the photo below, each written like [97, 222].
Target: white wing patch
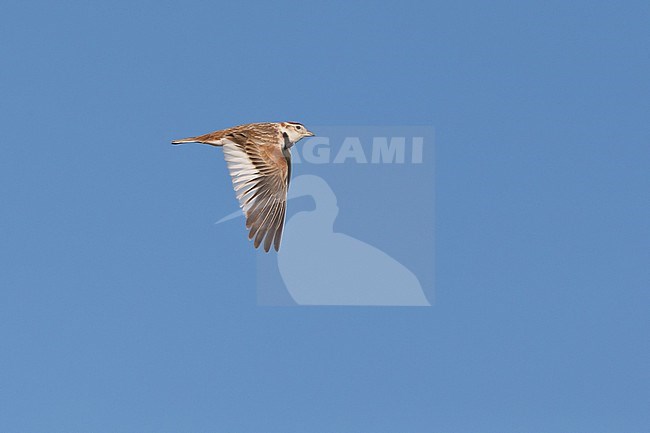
[243, 172]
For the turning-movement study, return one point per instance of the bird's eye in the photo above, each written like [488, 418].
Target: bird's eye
[298, 127]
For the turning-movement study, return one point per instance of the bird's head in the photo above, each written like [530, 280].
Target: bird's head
[295, 131]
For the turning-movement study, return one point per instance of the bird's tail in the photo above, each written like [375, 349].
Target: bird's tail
[211, 139]
[185, 140]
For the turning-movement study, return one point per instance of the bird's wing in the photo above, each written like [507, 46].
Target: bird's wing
[259, 168]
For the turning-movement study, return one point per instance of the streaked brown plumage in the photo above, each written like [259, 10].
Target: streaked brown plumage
[259, 160]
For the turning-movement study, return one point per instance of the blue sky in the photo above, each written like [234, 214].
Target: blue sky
[123, 308]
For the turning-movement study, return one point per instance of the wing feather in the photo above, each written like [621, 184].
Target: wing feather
[259, 166]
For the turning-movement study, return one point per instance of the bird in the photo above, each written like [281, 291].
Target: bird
[258, 156]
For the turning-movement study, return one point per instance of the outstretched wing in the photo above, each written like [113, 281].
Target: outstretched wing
[260, 170]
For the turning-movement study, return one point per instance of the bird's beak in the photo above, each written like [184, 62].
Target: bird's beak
[310, 134]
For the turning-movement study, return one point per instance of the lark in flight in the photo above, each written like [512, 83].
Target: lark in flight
[258, 156]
